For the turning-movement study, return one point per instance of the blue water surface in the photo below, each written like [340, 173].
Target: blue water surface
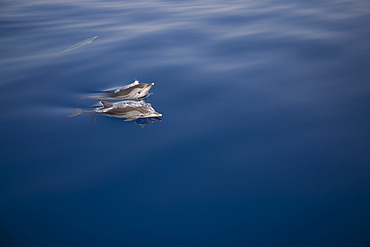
[264, 139]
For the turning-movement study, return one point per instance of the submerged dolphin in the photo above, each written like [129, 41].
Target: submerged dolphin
[130, 110]
[133, 91]
[79, 44]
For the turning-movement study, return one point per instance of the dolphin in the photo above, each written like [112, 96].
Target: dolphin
[79, 44]
[131, 110]
[133, 91]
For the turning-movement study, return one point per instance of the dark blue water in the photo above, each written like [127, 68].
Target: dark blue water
[264, 139]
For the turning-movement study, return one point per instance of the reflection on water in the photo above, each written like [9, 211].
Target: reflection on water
[143, 122]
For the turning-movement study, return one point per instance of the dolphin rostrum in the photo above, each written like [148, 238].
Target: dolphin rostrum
[130, 110]
[133, 91]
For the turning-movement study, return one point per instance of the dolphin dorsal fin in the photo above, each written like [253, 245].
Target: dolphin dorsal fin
[106, 104]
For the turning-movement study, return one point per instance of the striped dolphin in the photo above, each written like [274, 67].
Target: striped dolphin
[133, 91]
[131, 110]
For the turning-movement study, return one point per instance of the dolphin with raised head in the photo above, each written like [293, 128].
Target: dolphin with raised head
[130, 110]
[133, 91]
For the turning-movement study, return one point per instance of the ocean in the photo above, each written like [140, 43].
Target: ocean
[263, 140]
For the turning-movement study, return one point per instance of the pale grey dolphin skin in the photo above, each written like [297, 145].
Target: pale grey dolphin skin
[133, 91]
[79, 44]
[130, 110]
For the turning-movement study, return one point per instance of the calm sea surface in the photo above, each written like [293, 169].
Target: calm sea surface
[264, 139]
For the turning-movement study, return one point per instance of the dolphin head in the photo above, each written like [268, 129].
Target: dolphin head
[144, 90]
